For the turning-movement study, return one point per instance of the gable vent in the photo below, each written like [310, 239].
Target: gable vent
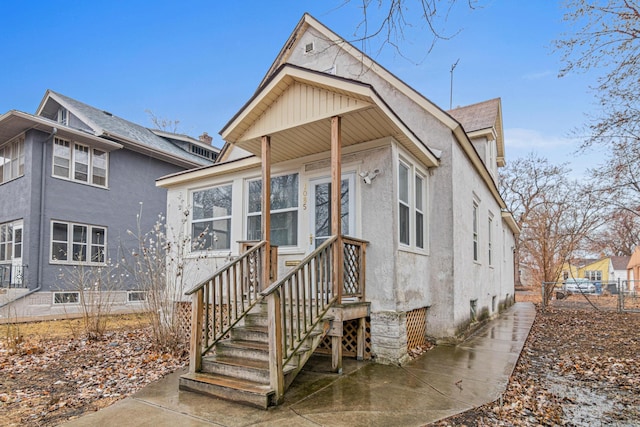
[309, 47]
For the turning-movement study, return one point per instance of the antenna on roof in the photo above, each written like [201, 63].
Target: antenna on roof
[453, 67]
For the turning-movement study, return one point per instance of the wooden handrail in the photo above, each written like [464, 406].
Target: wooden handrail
[297, 304]
[290, 274]
[222, 300]
[225, 267]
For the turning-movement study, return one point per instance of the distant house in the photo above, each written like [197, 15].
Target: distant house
[594, 269]
[381, 208]
[72, 180]
[633, 270]
[619, 264]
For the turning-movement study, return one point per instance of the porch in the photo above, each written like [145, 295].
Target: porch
[251, 335]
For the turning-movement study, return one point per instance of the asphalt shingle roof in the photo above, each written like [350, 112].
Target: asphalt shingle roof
[482, 115]
[120, 127]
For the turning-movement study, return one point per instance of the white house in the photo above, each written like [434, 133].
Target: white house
[419, 208]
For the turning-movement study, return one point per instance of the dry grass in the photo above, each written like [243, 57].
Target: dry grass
[68, 328]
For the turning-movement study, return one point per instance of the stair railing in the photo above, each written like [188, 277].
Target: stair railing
[296, 305]
[222, 300]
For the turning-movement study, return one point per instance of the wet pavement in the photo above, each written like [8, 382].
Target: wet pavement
[442, 382]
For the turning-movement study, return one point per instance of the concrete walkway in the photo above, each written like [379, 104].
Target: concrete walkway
[442, 382]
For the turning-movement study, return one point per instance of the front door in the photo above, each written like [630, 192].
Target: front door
[320, 198]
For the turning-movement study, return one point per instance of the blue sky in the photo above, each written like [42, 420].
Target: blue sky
[199, 61]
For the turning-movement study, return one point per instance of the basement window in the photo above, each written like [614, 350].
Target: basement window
[136, 296]
[66, 297]
[473, 310]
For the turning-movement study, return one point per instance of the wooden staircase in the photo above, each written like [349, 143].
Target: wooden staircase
[249, 341]
[239, 369]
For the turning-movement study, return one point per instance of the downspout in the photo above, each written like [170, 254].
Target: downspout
[54, 131]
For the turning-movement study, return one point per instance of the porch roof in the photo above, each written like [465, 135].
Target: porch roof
[293, 108]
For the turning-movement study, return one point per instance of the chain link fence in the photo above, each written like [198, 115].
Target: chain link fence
[621, 295]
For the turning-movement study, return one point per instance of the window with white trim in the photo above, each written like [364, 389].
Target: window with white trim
[411, 205]
[12, 160]
[593, 275]
[490, 239]
[77, 243]
[475, 231]
[284, 210]
[80, 163]
[6, 241]
[211, 222]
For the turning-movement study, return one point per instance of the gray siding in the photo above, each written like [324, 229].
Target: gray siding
[131, 182]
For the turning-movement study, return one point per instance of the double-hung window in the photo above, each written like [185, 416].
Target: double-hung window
[211, 222]
[79, 162]
[490, 239]
[76, 243]
[284, 210]
[12, 160]
[411, 205]
[475, 231]
[6, 241]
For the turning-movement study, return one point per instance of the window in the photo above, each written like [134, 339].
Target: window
[62, 116]
[593, 275]
[411, 205]
[403, 204]
[12, 160]
[419, 207]
[75, 243]
[211, 222]
[82, 164]
[136, 296]
[490, 239]
[475, 231]
[284, 210]
[66, 297]
[6, 241]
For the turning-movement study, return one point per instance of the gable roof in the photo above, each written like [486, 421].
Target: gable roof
[274, 110]
[483, 119]
[371, 66]
[131, 135]
[620, 262]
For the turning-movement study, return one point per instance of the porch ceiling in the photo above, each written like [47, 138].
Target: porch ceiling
[294, 108]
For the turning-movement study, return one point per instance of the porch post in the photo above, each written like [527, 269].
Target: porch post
[266, 209]
[336, 230]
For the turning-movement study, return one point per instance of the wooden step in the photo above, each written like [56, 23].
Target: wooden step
[242, 348]
[223, 387]
[237, 367]
[250, 333]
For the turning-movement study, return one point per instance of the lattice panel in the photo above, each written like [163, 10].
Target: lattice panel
[417, 329]
[351, 269]
[349, 340]
[183, 310]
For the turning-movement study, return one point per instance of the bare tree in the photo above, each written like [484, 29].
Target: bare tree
[388, 21]
[619, 236]
[554, 213]
[162, 123]
[606, 39]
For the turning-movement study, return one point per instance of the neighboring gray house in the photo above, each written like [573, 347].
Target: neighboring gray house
[72, 180]
[366, 175]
